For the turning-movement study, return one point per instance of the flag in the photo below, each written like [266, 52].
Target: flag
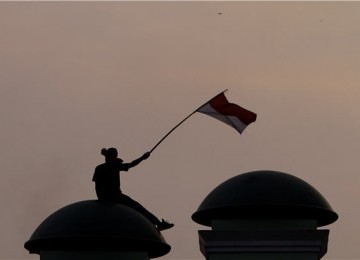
[229, 113]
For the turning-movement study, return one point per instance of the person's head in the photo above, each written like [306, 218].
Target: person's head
[110, 154]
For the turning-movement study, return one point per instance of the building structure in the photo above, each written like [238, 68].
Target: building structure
[253, 216]
[95, 230]
[264, 215]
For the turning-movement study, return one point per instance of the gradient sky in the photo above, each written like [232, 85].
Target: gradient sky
[76, 77]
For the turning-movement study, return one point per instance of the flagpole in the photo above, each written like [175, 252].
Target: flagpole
[182, 121]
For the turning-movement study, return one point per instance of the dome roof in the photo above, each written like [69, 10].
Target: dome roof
[95, 225]
[264, 195]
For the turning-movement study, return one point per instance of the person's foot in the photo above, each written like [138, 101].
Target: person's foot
[163, 225]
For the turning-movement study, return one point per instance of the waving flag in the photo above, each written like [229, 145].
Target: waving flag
[229, 113]
[220, 108]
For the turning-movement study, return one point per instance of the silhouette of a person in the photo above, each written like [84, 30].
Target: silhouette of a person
[107, 184]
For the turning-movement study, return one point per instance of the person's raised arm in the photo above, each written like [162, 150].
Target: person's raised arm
[137, 161]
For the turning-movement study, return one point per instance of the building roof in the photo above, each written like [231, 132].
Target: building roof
[97, 226]
[264, 195]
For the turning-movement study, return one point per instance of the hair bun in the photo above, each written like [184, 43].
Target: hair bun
[103, 151]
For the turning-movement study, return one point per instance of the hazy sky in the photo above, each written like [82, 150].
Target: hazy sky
[76, 77]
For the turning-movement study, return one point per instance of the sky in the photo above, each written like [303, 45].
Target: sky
[79, 76]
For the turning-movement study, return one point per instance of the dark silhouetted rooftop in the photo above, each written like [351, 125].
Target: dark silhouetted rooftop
[94, 225]
[264, 195]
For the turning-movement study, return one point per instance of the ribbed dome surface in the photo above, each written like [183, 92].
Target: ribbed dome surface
[264, 195]
[95, 225]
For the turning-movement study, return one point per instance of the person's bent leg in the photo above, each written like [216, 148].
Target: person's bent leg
[126, 200]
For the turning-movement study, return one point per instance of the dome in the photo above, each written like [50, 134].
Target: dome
[265, 195]
[95, 225]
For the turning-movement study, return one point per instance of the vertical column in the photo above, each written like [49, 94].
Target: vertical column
[92, 255]
[263, 240]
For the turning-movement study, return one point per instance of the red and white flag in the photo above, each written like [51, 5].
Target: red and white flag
[229, 113]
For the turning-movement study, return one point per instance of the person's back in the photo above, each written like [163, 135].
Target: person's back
[107, 181]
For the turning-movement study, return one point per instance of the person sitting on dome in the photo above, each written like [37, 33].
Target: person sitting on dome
[107, 184]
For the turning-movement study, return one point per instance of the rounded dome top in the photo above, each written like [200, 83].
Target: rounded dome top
[264, 195]
[95, 225]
